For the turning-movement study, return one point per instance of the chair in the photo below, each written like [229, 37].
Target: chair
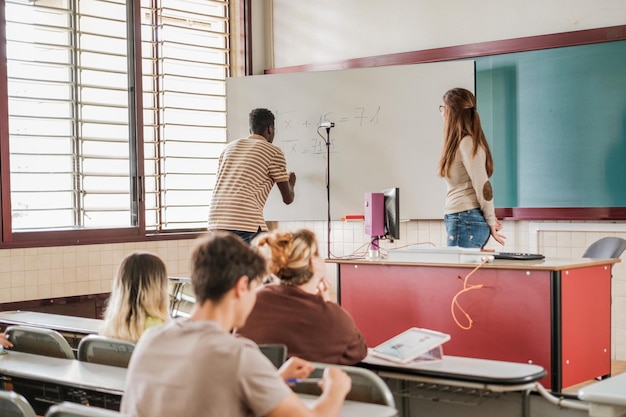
[67, 409]
[14, 405]
[276, 353]
[105, 350]
[39, 341]
[367, 387]
[606, 248]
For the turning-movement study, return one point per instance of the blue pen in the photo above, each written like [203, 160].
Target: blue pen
[302, 380]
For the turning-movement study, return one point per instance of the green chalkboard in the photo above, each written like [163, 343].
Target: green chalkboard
[556, 122]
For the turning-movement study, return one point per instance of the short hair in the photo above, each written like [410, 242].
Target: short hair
[140, 290]
[218, 260]
[289, 254]
[260, 119]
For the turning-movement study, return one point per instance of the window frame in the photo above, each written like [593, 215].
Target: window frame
[62, 237]
[90, 235]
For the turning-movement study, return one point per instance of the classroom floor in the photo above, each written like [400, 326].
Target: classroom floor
[617, 367]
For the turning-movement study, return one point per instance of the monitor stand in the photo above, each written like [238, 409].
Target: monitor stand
[373, 253]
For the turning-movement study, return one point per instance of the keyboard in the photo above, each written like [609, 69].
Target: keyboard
[518, 256]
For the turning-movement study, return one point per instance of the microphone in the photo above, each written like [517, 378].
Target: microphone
[327, 125]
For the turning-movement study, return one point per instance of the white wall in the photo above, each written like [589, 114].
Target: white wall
[306, 32]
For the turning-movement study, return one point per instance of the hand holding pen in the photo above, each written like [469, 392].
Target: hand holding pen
[295, 369]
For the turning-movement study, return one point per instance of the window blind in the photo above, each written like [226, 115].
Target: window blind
[68, 103]
[185, 55]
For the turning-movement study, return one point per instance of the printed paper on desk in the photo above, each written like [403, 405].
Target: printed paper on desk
[411, 345]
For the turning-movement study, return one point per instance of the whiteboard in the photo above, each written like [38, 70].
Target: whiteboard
[388, 133]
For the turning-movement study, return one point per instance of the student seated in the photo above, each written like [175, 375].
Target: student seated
[298, 312]
[139, 298]
[196, 367]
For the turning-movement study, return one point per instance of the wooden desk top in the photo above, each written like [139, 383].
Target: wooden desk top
[56, 322]
[550, 264]
[459, 368]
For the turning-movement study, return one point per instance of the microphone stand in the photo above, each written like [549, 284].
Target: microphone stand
[328, 184]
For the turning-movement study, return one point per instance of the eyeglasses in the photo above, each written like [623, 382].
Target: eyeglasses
[441, 108]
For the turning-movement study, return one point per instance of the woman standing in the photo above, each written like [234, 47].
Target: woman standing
[466, 165]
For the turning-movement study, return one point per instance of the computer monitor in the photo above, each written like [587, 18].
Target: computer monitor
[392, 213]
[382, 214]
[382, 218]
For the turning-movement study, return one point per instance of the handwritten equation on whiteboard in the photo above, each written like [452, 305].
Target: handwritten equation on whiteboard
[298, 134]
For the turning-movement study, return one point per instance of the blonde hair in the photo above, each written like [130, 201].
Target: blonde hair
[462, 120]
[139, 291]
[289, 254]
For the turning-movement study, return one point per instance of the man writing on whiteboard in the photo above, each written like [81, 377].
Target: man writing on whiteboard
[247, 171]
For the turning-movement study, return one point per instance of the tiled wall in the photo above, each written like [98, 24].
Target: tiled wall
[50, 272]
[40, 273]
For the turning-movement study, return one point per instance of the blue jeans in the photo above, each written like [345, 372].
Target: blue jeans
[467, 229]
[246, 236]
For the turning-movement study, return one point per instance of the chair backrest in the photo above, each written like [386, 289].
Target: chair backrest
[606, 248]
[39, 341]
[67, 409]
[366, 385]
[14, 405]
[105, 350]
[277, 353]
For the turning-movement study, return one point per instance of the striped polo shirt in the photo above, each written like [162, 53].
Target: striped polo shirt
[247, 171]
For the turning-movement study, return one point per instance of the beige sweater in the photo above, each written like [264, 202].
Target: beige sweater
[468, 183]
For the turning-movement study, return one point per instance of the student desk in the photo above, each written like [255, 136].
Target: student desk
[460, 371]
[355, 408]
[555, 313]
[44, 380]
[607, 397]
[72, 328]
[458, 379]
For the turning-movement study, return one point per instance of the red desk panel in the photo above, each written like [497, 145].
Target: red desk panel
[518, 315]
[586, 324]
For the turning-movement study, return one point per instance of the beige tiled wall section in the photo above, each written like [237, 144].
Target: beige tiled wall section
[39, 273]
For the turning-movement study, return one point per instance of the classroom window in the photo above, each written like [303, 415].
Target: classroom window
[68, 109]
[76, 161]
[185, 54]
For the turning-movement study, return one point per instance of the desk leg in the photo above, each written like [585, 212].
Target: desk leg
[526, 403]
[176, 299]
